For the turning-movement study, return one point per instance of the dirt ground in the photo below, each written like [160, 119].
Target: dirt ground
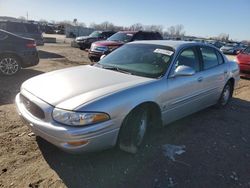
[217, 151]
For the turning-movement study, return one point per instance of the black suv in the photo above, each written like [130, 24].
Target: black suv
[23, 29]
[85, 41]
[118, 39]
[15, 53]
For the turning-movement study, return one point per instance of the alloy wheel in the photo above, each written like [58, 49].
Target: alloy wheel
[9, 66]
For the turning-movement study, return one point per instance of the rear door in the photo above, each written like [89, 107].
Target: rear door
[215, 73]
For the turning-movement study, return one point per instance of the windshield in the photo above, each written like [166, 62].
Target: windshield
[123, 37]
[95, 34]
[145, 60]
[247, 50]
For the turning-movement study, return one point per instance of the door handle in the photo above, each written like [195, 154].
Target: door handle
[200, 79]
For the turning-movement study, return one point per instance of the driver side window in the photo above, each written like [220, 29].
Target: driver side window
[188, 57]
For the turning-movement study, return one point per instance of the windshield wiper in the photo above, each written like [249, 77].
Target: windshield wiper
[117, 69]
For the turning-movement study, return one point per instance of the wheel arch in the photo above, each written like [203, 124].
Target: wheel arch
[232, 82]
[13, 54]
[154, 111]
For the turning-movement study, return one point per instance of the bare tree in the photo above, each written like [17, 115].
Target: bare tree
[176, 31]
[171, 31]
[156, 28]
[223, 37]
[136, 27]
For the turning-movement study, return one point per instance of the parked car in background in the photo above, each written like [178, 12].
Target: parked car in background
[15, 53]
[85, 41]
[141, 84]
[23, 29]
[215, 43]
[243, 59]
[115, 41]
[231, 48]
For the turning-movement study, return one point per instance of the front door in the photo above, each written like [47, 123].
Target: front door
[183, 93]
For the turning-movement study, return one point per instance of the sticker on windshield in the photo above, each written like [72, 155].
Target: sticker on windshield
[163, 51]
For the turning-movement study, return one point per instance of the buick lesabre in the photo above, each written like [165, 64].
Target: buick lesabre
[114, 102]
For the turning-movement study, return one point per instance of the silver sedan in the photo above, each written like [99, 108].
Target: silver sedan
[141, 84]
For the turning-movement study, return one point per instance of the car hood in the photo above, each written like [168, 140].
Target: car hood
[109, 43]
[71, 87]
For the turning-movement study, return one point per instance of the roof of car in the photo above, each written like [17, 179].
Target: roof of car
[171, 43]
[128, 32]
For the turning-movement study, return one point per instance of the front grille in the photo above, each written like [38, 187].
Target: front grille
[32, 107]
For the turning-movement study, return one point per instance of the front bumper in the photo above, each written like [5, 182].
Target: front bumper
[94, 55]
[99, 136]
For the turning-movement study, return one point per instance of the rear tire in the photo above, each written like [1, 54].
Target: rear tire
[226, 95]
[133, 130]
[9, 65]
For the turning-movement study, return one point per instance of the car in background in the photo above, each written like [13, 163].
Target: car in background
[215, 43]
[100, 48]
[85, 41]
[243, 59]
[140, 85]
[16, 52]
[231, 48]
[23, 29]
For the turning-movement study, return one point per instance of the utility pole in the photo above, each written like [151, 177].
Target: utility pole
[27, 15]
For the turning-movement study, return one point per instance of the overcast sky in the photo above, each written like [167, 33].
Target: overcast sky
[203, 18]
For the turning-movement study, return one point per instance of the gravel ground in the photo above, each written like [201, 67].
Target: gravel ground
[215, 142]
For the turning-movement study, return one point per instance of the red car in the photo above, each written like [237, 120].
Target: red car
[99, 48]
[243, 59]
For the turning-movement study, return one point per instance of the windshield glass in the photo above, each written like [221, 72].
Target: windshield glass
[95, 34]
[247, 50]
[123, 37]
[145, 60]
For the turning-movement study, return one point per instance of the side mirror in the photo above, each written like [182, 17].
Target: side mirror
[183, 70]
[102, 56]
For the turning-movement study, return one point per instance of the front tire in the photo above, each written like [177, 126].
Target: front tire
[9, 65]
[133, 130]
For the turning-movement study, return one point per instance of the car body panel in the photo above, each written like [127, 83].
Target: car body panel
[63, 95]
[94, 89]
[16, 45]
[243, 60]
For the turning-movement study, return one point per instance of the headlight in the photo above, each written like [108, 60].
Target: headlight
[99, 48]
[78, 118]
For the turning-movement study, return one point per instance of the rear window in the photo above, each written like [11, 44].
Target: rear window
[32, 28]
[122, 37]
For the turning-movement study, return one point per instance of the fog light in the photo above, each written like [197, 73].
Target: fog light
[78, 143]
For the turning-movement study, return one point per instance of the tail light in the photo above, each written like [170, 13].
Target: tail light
[31, 44]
